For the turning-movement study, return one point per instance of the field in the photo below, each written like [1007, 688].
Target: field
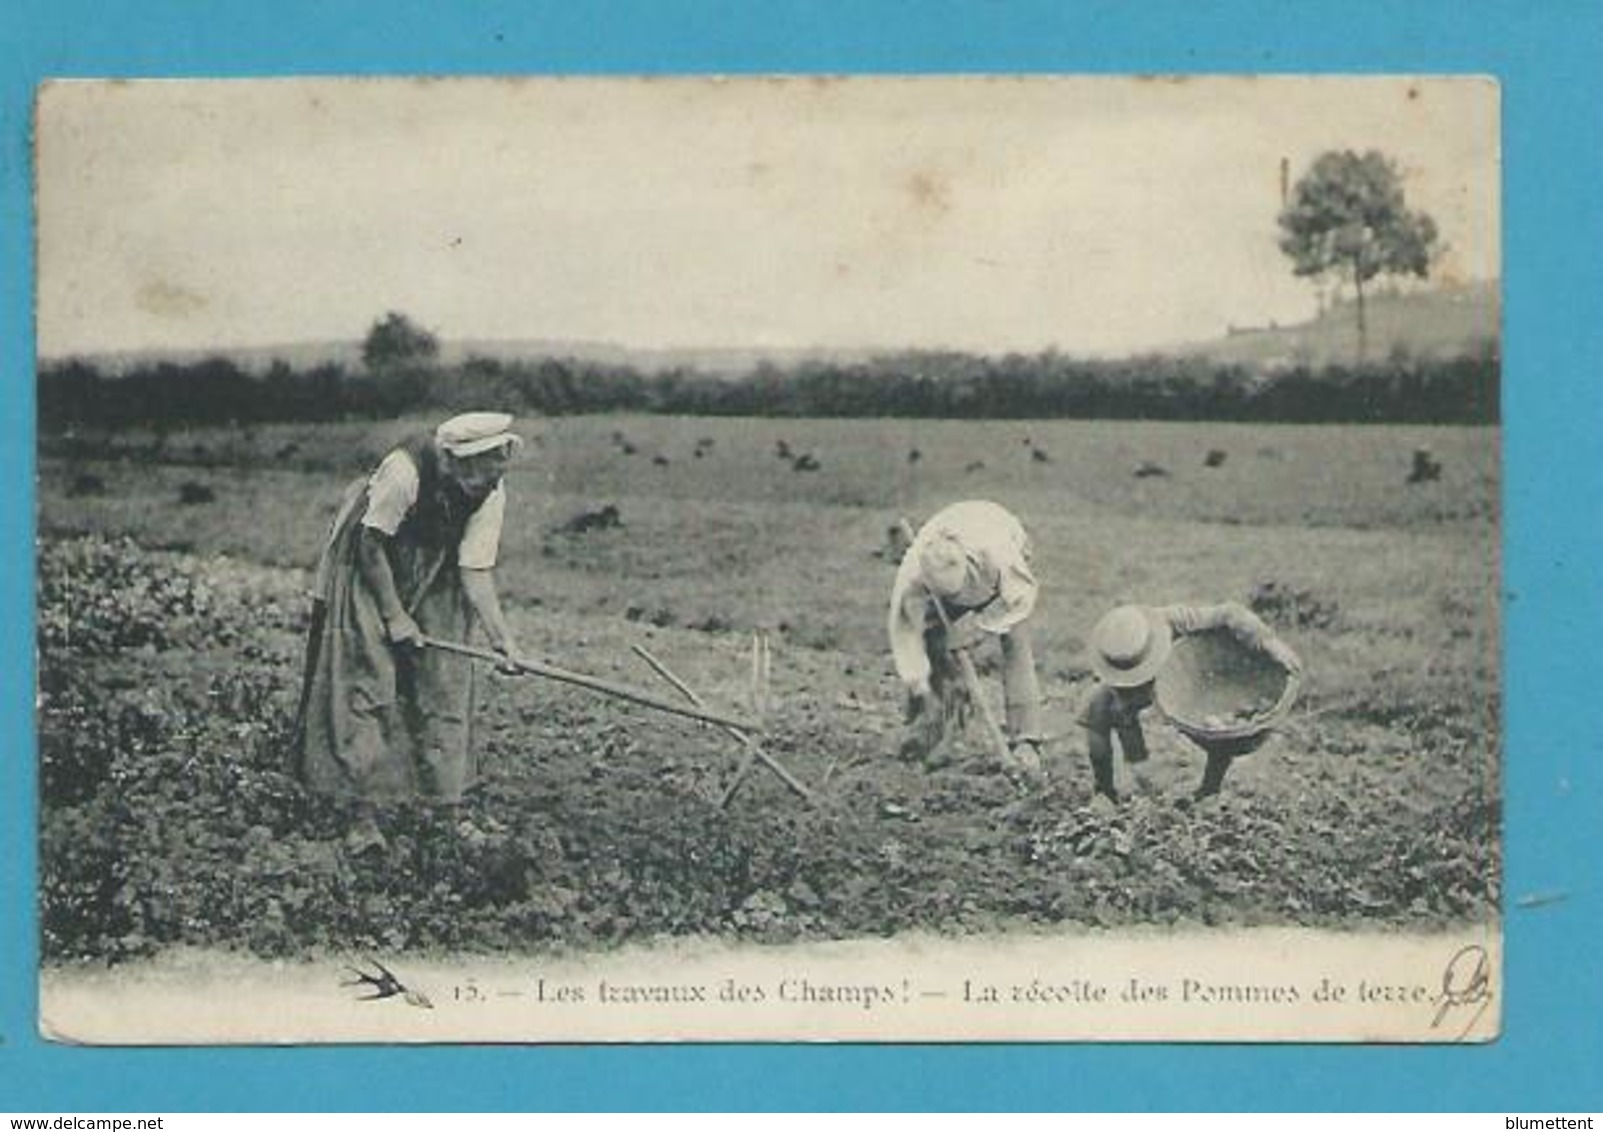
[169, 640]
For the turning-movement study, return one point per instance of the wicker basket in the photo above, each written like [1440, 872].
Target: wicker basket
[1224, 694]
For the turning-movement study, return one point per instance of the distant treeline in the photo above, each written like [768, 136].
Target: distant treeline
[1460, 390]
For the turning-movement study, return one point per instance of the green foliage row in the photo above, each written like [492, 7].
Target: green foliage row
[1458, 390]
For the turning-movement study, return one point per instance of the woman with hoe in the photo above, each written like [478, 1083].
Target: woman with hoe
[411, 554]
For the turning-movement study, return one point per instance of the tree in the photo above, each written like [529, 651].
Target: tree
[395, 341]
[1347, 218]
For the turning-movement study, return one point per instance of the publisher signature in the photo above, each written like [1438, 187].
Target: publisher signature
[1466, 983]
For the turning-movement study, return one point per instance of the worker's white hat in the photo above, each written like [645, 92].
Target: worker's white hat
[1129, 645]
[472, 433]
[943, 564]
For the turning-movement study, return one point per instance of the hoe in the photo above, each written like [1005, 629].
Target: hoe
[743, 731]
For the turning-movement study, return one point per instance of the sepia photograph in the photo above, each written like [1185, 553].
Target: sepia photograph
[769, 559]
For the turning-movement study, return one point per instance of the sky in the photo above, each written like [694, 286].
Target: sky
[1089, 215]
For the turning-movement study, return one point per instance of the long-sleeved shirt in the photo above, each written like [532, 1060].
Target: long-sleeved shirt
[1000, 589]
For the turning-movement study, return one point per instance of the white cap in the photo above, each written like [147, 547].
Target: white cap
[943, 564]
[472, 433]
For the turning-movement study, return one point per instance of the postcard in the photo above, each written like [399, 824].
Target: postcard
[769, 559]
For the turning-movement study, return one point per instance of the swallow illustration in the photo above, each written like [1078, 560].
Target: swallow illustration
[385, 985]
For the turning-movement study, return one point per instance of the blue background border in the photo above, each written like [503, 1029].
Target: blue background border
[1546, 55]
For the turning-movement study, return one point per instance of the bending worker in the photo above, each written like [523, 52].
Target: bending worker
[411, 552]
[1129, 647]
[974, 559]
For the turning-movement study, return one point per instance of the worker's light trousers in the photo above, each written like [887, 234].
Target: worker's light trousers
[1021, 690]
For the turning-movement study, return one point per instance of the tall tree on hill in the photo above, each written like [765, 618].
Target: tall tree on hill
[1347, 219]
[395, 341]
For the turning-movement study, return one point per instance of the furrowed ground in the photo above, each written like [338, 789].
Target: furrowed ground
[169, 638]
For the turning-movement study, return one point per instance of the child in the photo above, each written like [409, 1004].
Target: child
[1129, 647]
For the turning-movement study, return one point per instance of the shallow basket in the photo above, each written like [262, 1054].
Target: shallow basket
[1222, 693]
